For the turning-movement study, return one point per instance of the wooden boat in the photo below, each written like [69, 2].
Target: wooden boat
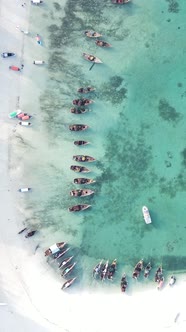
[60, 253]
[82, 102]
[123, 283]
[86, 90]
[78, 127]
[55, 248]
[91, 58]
[137, 269]
[81, 192]
[68, 269]
[22, 123]
[82, 158]
[111, 269]
[102, 43]
[65, 262]
[79, 110]
[97, 269]
[68, 283]
[92, 34]
[147, 270]
[121, 2]
[158, 274]
[81, 142]
[84, 181]
[172, 280]
[104, 270]
[24, 190]
[160, 282]
[30, 233]
[146, 215]
[79, 207]
[80, 169]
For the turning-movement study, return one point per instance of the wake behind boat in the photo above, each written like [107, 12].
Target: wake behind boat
[146, 215]
[81, 143]
[79, 207]
[80, 169]
[81, 192]
[92, 34]
[68, 283]
[84, 181]
[91, 58]
[78, 127]
[82, 158]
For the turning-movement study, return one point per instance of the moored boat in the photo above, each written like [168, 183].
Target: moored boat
[81, 142]
[146, 215]
[68, 269]
[158, 274]
[60, 253]
[81, 192]
[92, 34]
[80, 169]
[26, 124]
[138, 268]
[82, 158]
[68, 283]
[84, 181]
[14, 114]
[7, 54]
[111, 269]
[97, 269]
[82, 102]
[24, 190]
[172, 280]
[79, 110]
[102, 43]
[15, 68]
[123, 283]
[23, 116]
[86, 90]
[65, 262]
[120, 2]
[79, 207]
[78, 127]
[38, 39]
[91, 58]
[104, 270]
[160, 282]
[55, 248]
[148, 267]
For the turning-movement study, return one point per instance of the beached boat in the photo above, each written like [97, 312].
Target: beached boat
[121, 2]
[79, 110]
[30, 233]
[92, 34]
[38, 39]
[91, 58]
[160, 282]
[146, 215]
[102, 43]
[26, 124]
[158, 274]
[24, 190]
[7, 54]
[79, 207]
[14, 114]
[81, 192]
[36, 2]
[84, 181]
[23, 116]
[55, 248]
[123, 283]
[86, 90]
[68, 269]
[148, 267]
[104, 270]
[82, 102]
[111, 269]
[97, 269]
[78, 127]
[38, 62]
[81, 143]
[80, 169]
[68, 283]
[65, 262]
[172, 280]
[82, 158]
[138, 268]
[15, 68]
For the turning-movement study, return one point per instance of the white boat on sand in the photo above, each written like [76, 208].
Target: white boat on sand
[146, 215]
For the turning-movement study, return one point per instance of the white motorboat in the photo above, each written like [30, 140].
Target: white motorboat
[146, 215]
[24, 190]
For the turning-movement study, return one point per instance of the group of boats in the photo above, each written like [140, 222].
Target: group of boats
[56, 252]
[104, 270]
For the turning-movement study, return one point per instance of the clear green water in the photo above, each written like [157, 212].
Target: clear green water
[137, 131]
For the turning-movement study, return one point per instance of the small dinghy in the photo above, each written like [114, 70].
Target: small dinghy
[55, 248]
[84, 181]
[102, 43]
[120, 2]
[78, 127]
[91, 58]
[15, 68]
[86, 90]
[146, 215]
[83, 159]
[123, 283]
[26, 124]
[36, 2]
[81, 142]
[68, 283]
[38, 62]
[30, 233]
[159, 278]
[14, 114]
[68, 269]
[148, 267]
[82, 102]
[23, 116]
[81, 192]
[38, 39]
[80, 169]
[79, 207]
[92, 34]
[7, 54]
[24, 190]
[172, 280]
[79, 110]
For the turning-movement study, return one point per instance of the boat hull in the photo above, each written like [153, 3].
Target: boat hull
[80, 207]
[146, 215]
[92, 34]
[91, 58]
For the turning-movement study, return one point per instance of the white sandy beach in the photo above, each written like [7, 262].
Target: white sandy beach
[30, 293]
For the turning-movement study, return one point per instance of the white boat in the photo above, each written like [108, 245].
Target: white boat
[22, 123]
[146, 215]
[24, 190]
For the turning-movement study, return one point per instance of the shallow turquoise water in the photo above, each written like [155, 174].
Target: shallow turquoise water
[137, 131]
